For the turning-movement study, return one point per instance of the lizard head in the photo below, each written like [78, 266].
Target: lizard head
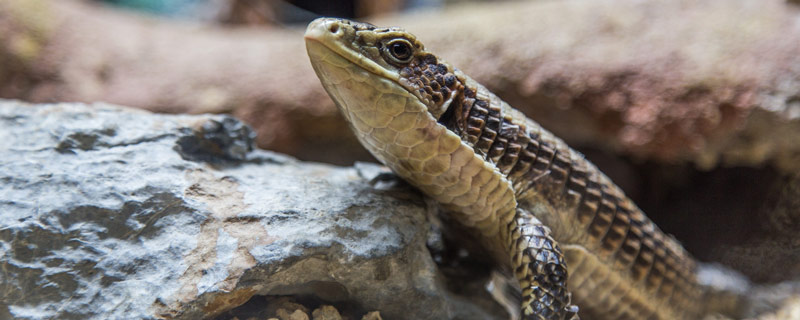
[339, 48]
[401, 102]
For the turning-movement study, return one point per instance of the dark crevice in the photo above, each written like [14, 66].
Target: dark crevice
[266, 306]
[716, 214]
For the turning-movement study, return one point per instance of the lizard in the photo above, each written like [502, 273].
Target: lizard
[571, 238]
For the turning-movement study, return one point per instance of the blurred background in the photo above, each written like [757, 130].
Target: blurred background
[693, 107]
[273, 12]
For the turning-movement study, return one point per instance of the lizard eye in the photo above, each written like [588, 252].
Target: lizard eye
[400, 51]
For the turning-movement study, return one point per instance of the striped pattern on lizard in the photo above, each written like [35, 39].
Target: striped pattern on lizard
[551, 217]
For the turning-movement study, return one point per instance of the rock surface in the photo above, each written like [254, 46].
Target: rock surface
[115, 213]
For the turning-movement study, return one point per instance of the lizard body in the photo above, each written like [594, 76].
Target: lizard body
[538, 205]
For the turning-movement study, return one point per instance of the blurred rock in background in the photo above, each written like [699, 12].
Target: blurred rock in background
[266, 12]
[702, 82]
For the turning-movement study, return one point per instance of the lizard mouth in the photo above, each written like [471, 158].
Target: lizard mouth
[369, 95]
[329, 36]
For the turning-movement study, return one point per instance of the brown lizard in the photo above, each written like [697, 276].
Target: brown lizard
[568, 234]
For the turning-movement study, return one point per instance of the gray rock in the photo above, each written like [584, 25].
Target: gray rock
[115, 213]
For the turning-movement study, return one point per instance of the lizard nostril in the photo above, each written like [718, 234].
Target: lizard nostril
[333, 28]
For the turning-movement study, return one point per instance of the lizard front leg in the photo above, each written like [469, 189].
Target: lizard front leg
[540, 269]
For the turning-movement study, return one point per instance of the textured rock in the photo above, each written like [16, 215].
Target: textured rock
[114, 213]
[326, 313]
[374, 315]
[281, 307]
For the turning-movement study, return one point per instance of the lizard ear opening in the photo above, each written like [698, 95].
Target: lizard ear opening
[451, 118]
